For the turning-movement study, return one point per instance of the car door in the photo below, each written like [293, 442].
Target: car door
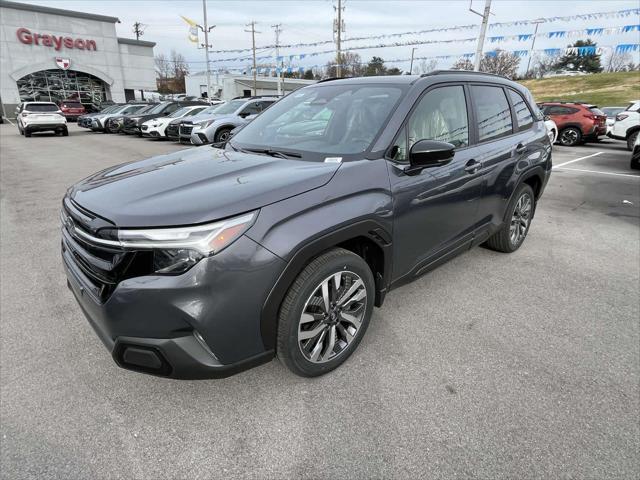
[435, 210]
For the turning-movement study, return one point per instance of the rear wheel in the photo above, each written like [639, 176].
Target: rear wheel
[516, 226]
[325, 313]
[570, 136]
[631, 140]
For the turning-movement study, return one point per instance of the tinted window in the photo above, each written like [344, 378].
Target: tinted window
[492, 109]
[523, 114]
[441, 115]
[41, 107]
[229, 107]
[172, 107]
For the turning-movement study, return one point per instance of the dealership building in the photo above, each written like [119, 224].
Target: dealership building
[49, 54]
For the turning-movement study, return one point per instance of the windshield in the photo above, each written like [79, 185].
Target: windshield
[597, 111]
[180, 112]
[158, 108]
[341, 119]
[41, 107]
[228, 107]
[110, 108]
[146, 109]
[612, 111]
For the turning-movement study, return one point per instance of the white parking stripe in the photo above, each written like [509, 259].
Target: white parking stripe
[576, 160]
[601, 173]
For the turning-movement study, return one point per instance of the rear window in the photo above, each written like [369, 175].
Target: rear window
[72, 104]
[41, 107]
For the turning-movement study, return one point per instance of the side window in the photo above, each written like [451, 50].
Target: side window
[193, 112]
[523, 115]
[171, 108]
[494, 114]
[399, 150]
[441, 115]
[251, 109]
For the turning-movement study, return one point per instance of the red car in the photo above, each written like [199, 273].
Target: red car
[72, 109]
[577, 122]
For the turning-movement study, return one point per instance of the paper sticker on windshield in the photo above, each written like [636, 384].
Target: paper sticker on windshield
[332, 159]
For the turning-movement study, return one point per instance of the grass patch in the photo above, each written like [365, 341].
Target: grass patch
[602, 89]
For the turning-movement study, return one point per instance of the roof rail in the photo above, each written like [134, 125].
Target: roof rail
[253, 97]
[330, 79]
[466, 72]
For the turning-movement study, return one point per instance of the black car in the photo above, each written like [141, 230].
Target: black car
[205, 262]
[131, 125]
[115, 124]
[171, 131]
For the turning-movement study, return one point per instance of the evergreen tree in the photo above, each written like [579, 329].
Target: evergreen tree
[584, 63]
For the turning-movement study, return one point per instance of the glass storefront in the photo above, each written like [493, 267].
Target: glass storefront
[57, 85]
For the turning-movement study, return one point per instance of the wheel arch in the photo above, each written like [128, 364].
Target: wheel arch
[366, 238]
[631, 130]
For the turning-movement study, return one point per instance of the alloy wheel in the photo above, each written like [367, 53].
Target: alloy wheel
[520, 219]
[332, 317]
[569, 137]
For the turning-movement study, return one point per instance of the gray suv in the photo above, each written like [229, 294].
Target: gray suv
[217, 126]
[205, 262]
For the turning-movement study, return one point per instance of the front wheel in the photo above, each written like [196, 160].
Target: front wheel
[631, 140]
[223, 135]
[325, 313]
[516, 225]
[570, 137]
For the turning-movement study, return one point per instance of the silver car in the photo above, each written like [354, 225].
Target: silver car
[217, 126]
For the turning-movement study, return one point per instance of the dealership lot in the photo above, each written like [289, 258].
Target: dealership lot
[492, 366]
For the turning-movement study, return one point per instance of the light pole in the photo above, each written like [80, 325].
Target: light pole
[483, 31]
[411, 66]
[533, 43]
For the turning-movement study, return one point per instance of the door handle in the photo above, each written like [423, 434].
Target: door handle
[520, 148]
[472, 166]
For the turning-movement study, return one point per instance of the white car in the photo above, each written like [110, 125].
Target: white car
[611, 113]
[552, 129]
[627, 124]
[40, 117]
[156, 127]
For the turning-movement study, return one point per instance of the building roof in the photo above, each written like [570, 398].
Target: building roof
[132, 41]
[57, 11]
[265, 84]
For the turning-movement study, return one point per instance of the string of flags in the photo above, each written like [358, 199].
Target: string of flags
[495, 39]
[552, 52]
[568, 18]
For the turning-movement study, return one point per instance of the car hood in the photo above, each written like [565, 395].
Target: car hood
[201, 118]
[193, 186]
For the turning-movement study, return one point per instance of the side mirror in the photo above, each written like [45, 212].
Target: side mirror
[547, 117]
[429, 153]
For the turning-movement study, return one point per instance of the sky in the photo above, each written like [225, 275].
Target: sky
[312, 21]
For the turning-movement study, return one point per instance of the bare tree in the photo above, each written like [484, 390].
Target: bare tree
[163, 67]
[426, 67]
[462, 64]
[351, 65]
[542, 65]
[502, 63]
[179, 65]
[617, 61]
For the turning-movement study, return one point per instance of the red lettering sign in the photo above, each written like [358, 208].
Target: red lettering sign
[57, 42]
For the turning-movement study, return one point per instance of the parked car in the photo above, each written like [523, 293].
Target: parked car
[133, 123]
[156, 127]
[84, 121]
[577, 122]
[218, 125]
[40, 117]
[99, 121]
[205, 262]
[635, 156]
[114, 124]
[627, 124]
[71, 110]
[552, 129]
[611, 113]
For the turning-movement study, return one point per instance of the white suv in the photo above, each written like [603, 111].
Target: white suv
[40, 117]
[627, 124]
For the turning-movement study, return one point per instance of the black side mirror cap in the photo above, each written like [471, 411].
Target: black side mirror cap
[429, 153]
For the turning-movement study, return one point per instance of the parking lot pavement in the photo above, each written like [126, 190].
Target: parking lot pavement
[493, 366]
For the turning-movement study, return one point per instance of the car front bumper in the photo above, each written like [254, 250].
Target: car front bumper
[204, 323]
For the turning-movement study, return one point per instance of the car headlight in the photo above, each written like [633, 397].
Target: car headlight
[178, 249]
[205, 123]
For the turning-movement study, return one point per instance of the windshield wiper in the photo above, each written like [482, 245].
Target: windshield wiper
[273, 153]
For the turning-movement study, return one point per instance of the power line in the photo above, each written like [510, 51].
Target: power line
[253, 42]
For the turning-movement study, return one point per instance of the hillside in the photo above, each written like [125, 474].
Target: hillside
[602, 89]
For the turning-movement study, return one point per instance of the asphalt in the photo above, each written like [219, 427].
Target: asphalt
[493, 366]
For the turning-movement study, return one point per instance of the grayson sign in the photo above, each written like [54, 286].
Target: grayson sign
[25, 36]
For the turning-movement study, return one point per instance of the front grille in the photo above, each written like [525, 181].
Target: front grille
[101, 267]
[171, 131]
[186, 129]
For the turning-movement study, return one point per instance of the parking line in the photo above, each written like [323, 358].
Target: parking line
[576, 160]
[601, 173]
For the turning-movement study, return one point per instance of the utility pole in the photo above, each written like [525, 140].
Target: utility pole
[138, 29]
[278, 30]
[337, 30]
[206, 30]
[533, 43]
[483, 31]
[253, 43]
[411, 66]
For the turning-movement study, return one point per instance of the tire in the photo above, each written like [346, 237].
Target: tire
[631, 139]
[504, 240]
[570, 137]
[222, 135]
[27, 133]
[65, 132]
[20, 129]
[336, 336]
